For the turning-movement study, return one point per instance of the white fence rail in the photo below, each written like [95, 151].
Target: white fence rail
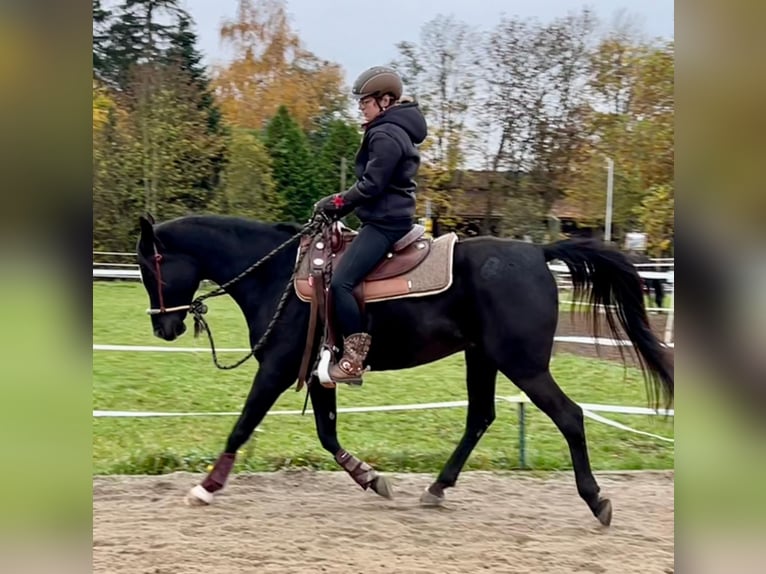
[129, 271]
[589, 411]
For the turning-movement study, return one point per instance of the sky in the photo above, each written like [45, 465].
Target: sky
[362, 33]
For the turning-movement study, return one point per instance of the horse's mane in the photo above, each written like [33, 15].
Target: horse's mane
[226, 223]
[195, 233]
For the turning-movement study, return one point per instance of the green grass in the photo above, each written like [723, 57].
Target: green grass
[406, 441]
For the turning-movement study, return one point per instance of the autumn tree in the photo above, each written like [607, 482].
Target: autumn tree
[547, 105]
[438, 190]
[162, 148]
[612, 77]
[531, 114]
[271, 68]
[656, 216]
[116, 174]
[160, 153]
[653, 107]
[504, 118]
[440, 73]
[629, 119]
[248, 188]
[178, 151]
[557, 123]
[293, 168]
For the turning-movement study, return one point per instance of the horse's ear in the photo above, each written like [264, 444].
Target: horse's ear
[150, 217]
[147, 231]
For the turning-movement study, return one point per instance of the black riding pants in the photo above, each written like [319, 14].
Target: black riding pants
[365, 252]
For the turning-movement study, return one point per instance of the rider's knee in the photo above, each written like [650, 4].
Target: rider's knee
[338, 285]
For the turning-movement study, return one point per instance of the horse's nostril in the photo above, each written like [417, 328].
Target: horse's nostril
[157, 333]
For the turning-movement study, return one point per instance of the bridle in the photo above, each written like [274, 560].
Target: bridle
[197, 308]
[158, 274]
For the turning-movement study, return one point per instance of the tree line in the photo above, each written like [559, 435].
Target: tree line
[265, 136]
[538, 106]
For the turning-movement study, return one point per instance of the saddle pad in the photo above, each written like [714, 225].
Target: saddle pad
[432, 276]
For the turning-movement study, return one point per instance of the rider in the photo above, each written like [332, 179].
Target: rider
[383, 199]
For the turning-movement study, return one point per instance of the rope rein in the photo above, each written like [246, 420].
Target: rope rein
[197, 308]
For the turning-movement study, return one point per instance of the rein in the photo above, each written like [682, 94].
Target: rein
[198, 309]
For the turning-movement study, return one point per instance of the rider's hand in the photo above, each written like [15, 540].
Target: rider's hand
[334, 206]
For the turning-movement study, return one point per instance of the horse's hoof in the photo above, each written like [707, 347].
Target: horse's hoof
[198, 496]
[430, 500]
[604, 511]
[382, 486]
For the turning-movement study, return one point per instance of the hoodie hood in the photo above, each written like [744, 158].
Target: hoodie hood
[408, 117]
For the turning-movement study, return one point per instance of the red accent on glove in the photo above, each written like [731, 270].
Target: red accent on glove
[338, 201]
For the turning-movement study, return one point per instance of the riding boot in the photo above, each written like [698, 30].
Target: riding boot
[351, 365]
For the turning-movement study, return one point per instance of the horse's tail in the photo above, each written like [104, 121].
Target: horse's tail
[606, 279]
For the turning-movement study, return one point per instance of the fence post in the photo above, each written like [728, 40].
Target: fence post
[669, 321]
[522, 432]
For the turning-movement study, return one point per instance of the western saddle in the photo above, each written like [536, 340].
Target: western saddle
[323, 252]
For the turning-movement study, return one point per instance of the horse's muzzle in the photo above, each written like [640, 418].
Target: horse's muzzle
[170, 332]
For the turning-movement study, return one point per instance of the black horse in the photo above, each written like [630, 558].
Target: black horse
[501, 311]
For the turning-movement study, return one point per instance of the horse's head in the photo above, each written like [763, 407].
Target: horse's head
[170, 279]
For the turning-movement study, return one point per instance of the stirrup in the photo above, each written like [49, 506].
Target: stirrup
[323, 369]
[355, 382]
[323, 373]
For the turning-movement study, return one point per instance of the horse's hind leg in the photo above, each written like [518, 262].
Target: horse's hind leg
[567, 415]
[323, 401]
[481, 374]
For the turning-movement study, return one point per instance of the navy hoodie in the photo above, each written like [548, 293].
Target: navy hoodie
[386, 166]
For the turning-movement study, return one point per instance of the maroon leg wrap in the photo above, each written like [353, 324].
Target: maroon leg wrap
[216, 479]
[362, 473]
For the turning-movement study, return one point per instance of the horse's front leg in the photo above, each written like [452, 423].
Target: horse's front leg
[325, 415]
[270, 382]
[481, 375]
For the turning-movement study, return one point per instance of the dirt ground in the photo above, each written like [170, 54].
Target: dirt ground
[321, 522]
[306, 522]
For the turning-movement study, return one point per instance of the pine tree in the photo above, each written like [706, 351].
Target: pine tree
[184, 55]
[135, 36]
[120, 50]
[101, 19]
[340, 141]
[292, 166]
[117, 197]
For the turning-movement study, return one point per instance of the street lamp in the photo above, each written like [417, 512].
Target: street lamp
[609, 185]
